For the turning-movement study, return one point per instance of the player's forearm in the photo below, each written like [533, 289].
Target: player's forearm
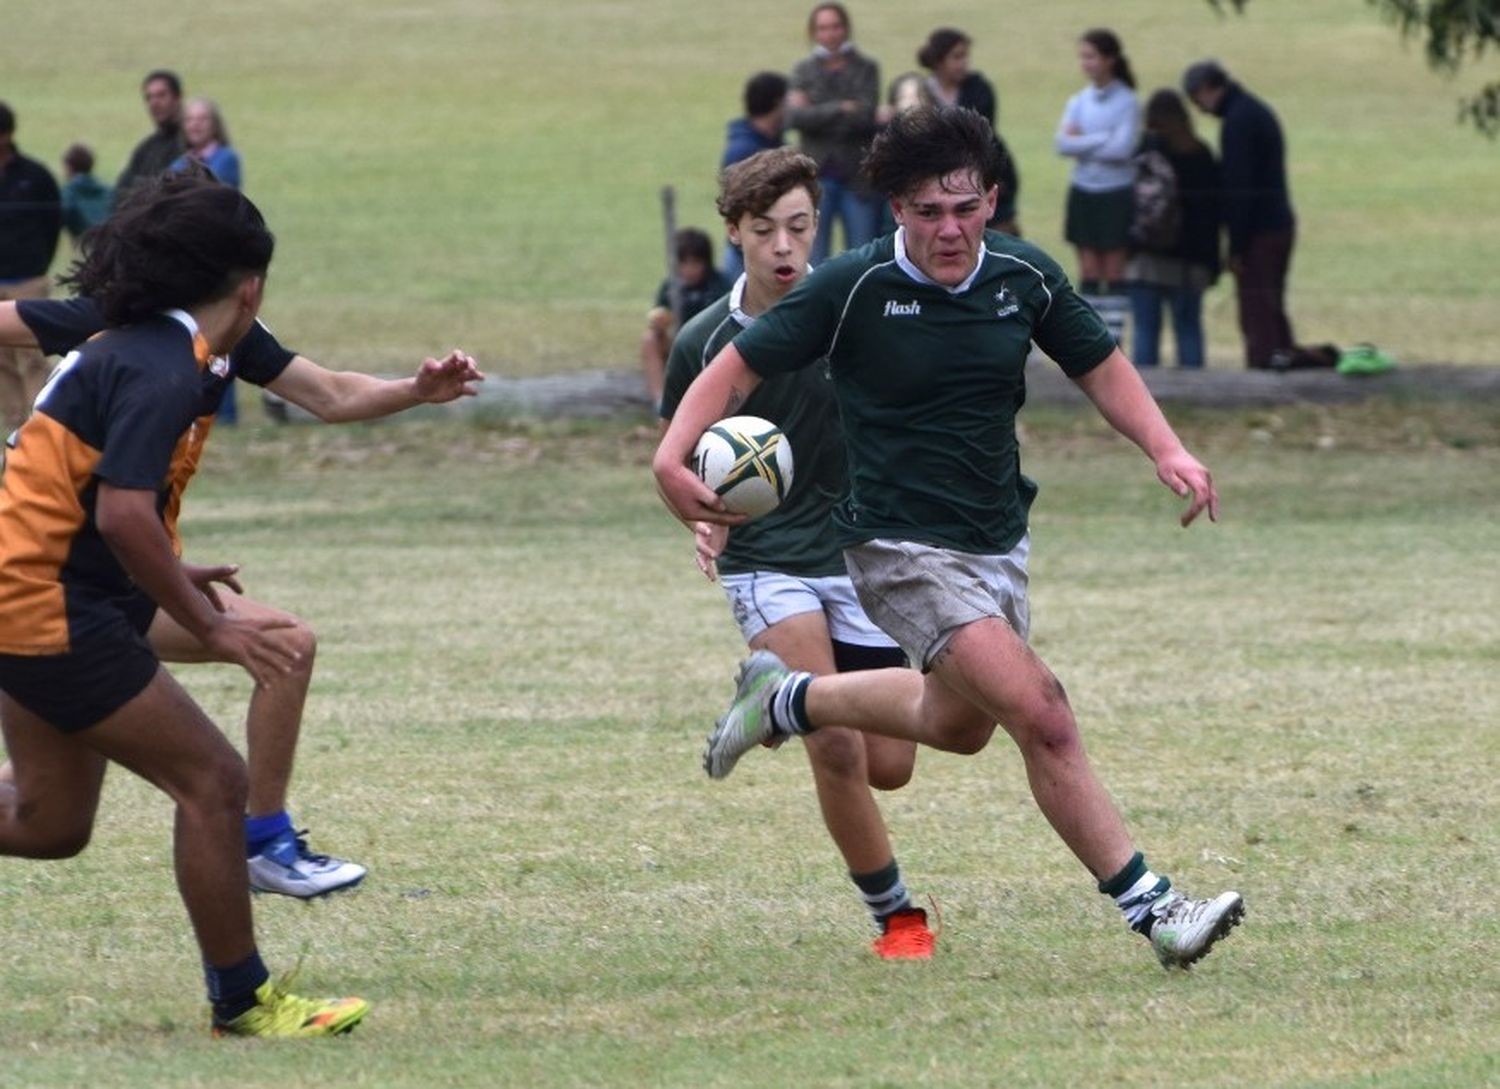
[129, 524]
[352, 396]
[719, 391]
[14, 333]
[1116, 389]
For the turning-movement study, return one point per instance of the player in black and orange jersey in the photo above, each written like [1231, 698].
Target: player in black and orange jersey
[279, 858]
[87, 557]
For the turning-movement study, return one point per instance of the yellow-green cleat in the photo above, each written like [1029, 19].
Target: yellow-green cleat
[279, 1013]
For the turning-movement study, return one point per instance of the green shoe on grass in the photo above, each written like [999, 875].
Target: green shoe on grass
[1365, 359]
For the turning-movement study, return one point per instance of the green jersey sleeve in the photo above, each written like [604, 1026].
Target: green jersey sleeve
[692, 350]
[1070, 332]
[799, 330]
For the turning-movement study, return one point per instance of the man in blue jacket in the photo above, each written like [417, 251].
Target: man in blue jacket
[1257, 210]
[759, 130]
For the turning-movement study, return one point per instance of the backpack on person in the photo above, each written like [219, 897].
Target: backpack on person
[1157, 225]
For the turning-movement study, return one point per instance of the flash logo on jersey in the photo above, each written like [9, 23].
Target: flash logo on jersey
[894, 309]
[1006, 303]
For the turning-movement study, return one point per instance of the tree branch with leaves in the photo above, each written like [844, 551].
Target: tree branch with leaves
[1454, 33]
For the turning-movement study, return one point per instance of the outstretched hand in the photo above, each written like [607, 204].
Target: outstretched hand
[441, 380]
[1187, 476]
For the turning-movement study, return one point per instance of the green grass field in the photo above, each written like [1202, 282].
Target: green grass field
[518, 662]
[487, 173]
[518, 659]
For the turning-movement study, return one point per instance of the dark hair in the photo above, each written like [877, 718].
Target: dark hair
[752, 185]
[178, 240]
[941, 42]
[838, 9]
[1207, 73]
[7, 119]
[166, 76]
[689, 243]
[1167, 116]
[764, 91]
[932, 142]
[1107, 43]
[78, 158]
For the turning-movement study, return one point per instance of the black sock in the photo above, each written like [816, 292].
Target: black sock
[231, 990]
[883, 891]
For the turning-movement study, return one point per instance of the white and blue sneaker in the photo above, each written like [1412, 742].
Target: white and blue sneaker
[286, 866]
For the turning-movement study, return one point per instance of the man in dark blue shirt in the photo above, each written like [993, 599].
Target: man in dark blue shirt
[30, 222]
[1257, 210]
[759, 130]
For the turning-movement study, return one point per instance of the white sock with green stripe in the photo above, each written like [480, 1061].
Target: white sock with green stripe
[1135, 889]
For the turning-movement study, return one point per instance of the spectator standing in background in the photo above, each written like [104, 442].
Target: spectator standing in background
[1258, 212]
[832, 104]
[162, 91]
[30, 222]
[759, 130]
[951, 82]
[1098, 131]
[1176, 271]
[206, 140]
[86, 201]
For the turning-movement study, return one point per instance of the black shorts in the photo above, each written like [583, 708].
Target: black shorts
[83, 687]
[1100, 221]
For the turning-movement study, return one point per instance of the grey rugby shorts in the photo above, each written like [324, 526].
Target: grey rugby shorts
[920, 595]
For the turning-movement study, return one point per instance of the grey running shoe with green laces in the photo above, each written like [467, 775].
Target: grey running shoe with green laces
[747, 723]
[1185, 930]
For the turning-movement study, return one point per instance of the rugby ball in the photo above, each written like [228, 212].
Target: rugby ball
[747, 461]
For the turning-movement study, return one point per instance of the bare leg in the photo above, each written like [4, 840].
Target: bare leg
[49, 790]
[162, 736]
[985, 675]
[1090, 264]
[165, 738]
[840, 766]
[1112, 266]
[989, 665]
[274, 720]
[656, 345]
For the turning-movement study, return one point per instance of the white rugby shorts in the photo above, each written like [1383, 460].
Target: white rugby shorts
[759, 599]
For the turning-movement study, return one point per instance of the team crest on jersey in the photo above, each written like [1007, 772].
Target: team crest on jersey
[1006, 303]
[219, 366]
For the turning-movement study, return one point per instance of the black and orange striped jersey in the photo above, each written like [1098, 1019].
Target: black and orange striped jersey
[60, 325]
[126, 409]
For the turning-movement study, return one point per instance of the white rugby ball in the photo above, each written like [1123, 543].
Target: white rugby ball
[747, 461]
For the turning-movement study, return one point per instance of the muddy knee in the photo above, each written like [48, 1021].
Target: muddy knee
[837, 752]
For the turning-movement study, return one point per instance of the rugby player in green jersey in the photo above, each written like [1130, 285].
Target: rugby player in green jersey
[784, 574]
[926, 334]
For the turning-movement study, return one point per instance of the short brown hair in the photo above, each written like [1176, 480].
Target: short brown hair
[754, 184]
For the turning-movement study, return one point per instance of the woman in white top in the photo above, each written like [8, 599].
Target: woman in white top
[1099, 131]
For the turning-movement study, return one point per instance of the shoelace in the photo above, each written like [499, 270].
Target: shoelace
[303, 853]
[1181, 910]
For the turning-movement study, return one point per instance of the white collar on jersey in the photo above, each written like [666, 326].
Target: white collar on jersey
[183, 318]
[905, 264]
[737, 298]
[218, 364]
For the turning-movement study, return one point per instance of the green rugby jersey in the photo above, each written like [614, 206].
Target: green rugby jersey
[797, 538]
[929, 380]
